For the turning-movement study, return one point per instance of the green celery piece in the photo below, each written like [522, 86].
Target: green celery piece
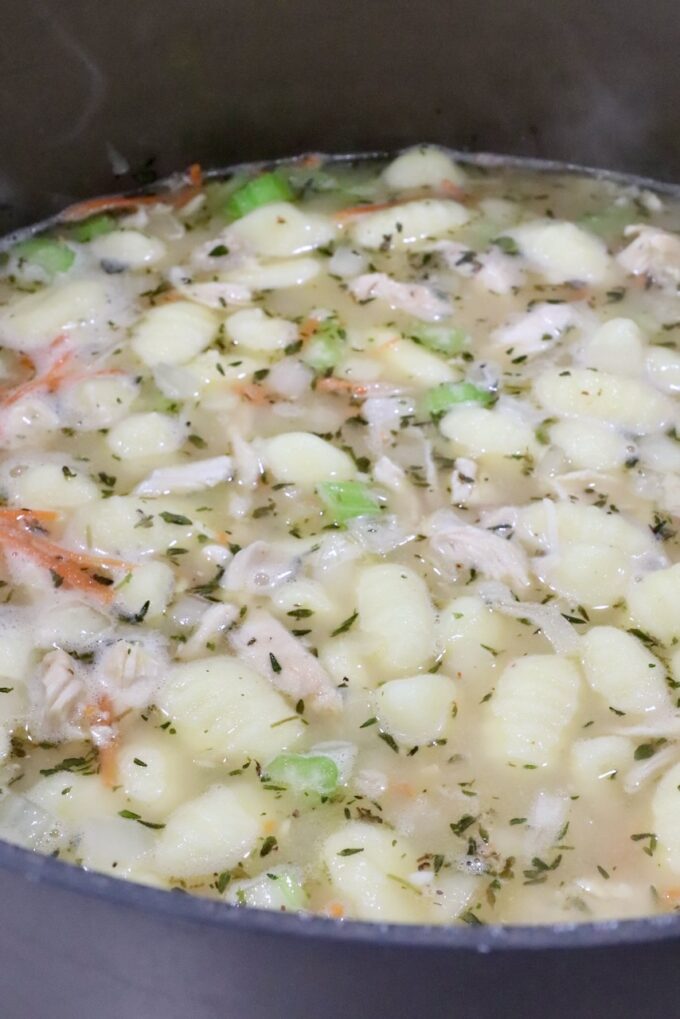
[268, 187]
[304, 773]
[610, 221]
[291, 890]
[442, 340]
[324, 349]
[440, 399]
[50, 254]
[347, 499]
[95, 226]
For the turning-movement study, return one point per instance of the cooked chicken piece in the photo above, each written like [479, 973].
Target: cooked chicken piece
[189, 477]
[129, 673]
[215, 622]
[654, 253]
[463, 477]
[495, 271]
[259, 568]
[468, 546]
[213, 293]
[413, 298]
[59, 695]
[533, 332]
[384, 414]
[248, 464]
[268, 646]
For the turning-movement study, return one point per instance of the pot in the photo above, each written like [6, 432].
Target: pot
[98, 97]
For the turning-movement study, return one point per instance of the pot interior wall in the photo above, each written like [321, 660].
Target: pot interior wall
[88, 89]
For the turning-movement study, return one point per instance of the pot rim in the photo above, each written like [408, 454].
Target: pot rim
[178, 906]
[483, 938]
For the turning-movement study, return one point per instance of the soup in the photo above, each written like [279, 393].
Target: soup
[339, 558]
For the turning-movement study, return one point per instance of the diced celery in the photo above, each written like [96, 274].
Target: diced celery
[441, 339]
[325, 348]
[268, 187]
[508, 245]
[47, 253]
[610, 221]
[304, 773]
[440, 399]
[277, 888]
[93, 227]
[347, 499]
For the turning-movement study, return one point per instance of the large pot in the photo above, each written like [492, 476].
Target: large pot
[88, 87]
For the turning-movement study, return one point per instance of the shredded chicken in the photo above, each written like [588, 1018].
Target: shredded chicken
[546, 618]
[249, 466]
[500, 273]
[215, 622]
[533, 332]
[463, 477]
[189, 477]
[225, 251]
[214, 294]
[469, 546]
[386, 472]
[130, 672]
[383, 415]
[643, 771]
[259, 568]
[378, 534]
[413, 298]
[290, 378]
[545, 819]
[459, 257]
[268, 646]
[495, 271]
[654, 253]
[59, 694]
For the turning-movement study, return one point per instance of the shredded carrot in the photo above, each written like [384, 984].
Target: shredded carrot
[451, 190]
[353, 211]
[672, 894]
[22, 532]
[168, 297]
[341, 386]
[102, 713]
[308, 328]
[119, 203]
[310, 161]
[335, 910]
[403, 789]
[254, 393]
[446, 189]
[183, 197]
[59, 372]
[269, 827]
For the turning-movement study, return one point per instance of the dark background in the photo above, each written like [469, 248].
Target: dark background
[219, 81]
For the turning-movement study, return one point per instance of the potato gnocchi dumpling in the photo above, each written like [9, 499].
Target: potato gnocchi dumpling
[339, 551]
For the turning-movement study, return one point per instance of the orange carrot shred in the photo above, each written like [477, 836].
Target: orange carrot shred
[333, 385]
[119, 203]
[336, 910]
[22, 532]
[310, 161]
[102, 713]
[58, 373]
[451, 190]
[352, 211]
[254, 393]
[308, 328]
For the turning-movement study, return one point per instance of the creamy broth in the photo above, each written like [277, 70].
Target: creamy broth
[339, 558]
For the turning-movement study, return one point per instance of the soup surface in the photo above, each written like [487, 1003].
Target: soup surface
[338, 541]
